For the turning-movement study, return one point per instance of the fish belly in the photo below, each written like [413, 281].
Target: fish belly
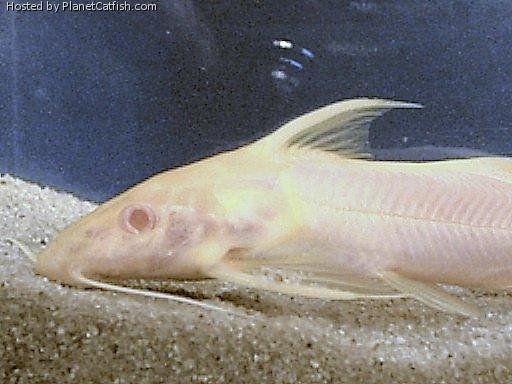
[448, 224]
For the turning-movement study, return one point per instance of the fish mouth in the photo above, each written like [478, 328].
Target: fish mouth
[54, 264]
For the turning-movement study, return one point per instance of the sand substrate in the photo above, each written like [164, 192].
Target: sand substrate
[55, 334]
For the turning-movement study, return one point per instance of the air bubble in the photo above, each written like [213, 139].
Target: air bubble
[291, 67]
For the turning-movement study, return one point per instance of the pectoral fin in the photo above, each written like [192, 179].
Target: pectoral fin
[226, 273]
[321, 281]
[430, 294]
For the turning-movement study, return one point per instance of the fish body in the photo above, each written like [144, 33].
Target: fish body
[306, 199]
[441, 222]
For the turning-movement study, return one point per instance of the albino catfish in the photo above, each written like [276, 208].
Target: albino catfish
[308, 200]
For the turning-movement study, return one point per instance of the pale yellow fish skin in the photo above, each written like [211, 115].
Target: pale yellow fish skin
[96, 246]
[354, 228]
[443, 222]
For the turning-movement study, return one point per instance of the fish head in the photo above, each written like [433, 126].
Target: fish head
[176, 225]
[151, 231]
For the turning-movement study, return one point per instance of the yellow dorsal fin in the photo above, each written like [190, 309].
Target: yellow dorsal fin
[340, 127]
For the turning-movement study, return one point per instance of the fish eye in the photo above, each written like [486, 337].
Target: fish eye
[138, 218]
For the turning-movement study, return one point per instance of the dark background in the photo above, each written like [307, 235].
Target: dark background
[95, 102]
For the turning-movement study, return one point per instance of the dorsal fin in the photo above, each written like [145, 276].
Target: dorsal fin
[340, 127]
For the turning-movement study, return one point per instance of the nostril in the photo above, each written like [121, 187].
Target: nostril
[137, 218]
